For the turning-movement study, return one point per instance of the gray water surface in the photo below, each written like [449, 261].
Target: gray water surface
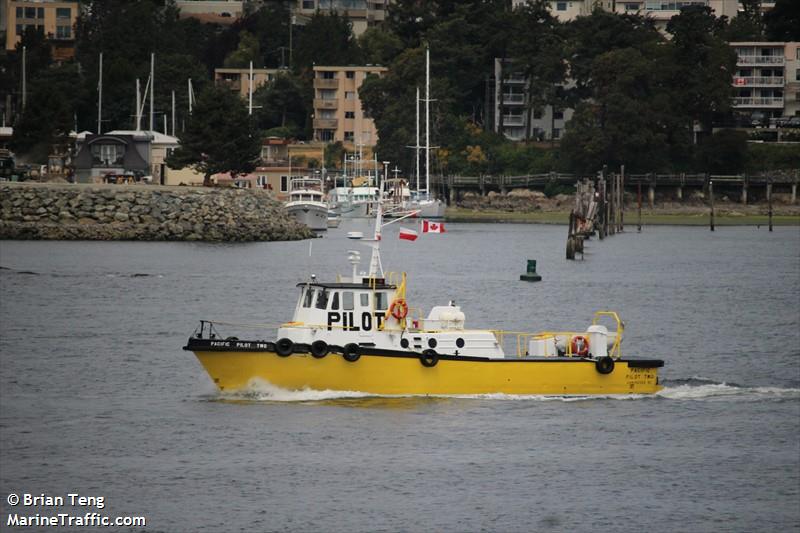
[97, 397]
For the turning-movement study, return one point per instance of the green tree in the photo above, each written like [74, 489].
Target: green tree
[724, 152]
[748, 24]
[379, 46]
[625, 122]
[704, 66]
[219, 137]
[783, 21]
[327, 39]
[49, 113]
[249, 50]
[283, 104]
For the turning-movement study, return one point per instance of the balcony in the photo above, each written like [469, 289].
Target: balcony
[514, 78]
[325, 123]
[325, 83]
[513, 98]
[759, 81]
[233, 85]
[513, 120]
[768, 61]
[326, 103]
[741, 101]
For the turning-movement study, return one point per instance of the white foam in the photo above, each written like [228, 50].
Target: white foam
[725, 391]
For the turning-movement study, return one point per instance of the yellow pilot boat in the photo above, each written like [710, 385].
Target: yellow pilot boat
[358, 334]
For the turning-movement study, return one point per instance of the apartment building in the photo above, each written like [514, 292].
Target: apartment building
[238, 79]
[660, 11]
[767, 80]
[514, 118]
[54, 19]
[338, 115]
[361, 13]
[224, 12]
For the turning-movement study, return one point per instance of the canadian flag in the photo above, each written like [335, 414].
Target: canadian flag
[408, 234]
[432, 227]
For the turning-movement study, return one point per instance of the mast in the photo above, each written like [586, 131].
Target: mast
[24, 75]
[100, 97]
[138, 105]
[416, 145]
[191, 94]
[250, 90]
[427, 119]
[152, 87]
[173, 113]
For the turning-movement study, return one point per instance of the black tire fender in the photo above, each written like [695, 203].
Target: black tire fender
[604, 365]
[319, 349]
[351, 352]
[429, 358]
[284, 347]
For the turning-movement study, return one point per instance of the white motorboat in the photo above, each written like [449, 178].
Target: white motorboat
[307, 203]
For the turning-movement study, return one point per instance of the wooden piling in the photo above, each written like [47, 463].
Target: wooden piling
[639, 226]
[769, 203]
[622, 198]
[711, 199]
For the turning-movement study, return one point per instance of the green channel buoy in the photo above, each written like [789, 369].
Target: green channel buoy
[531, 274]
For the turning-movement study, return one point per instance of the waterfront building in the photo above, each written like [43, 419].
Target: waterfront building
[514, 117]
[362, 14]
[237, 79]
[338, 115]
[766, 81]
[123, 152]
[54, 19]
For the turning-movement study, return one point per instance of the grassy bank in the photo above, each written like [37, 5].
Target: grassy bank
[654, 219]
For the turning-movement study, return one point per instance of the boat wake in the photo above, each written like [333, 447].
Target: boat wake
[700, 388]
[692, 389]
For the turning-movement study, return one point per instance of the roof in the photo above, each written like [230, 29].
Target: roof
[156, 136]
[379, 284]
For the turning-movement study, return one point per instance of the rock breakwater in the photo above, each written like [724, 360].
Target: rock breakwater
[48, 211]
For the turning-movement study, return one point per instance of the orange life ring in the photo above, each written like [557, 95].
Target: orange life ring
[399, 309]
[580, 345]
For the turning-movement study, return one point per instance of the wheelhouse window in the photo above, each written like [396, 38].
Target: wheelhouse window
[322, 299]
[335, 302]
[347, 301]
[381, 301]
[309, 297]
[364, 299]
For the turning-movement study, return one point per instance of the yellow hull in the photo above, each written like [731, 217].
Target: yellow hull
[380, 374]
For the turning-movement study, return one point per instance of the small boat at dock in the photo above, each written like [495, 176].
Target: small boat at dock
[307, 203]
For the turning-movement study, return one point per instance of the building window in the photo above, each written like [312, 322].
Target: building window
[558, 115]
[537, 113]
[327, 94]
[797, 73]
[561, 6]
[326, 135]
[327, 113]
[30, 12]
[349, 95]
[39, 12]
[63, 13]
[348, 136]
[63, 32]
[350, 74]
[352, 114]
[631, 7]
[284, 183]
[328, 75]
[20, 12]
[107, 155]
[556, 133]
[308, 4]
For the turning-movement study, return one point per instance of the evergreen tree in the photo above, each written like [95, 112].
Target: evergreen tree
[219, 136]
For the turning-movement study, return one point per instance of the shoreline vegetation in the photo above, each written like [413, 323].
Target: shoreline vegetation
[533, 207]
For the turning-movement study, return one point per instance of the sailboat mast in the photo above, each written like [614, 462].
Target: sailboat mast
[152, 87]
[416, 144]
[427, 119]
[138, 105]
[100, 97]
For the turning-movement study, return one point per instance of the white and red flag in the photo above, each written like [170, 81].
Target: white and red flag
[432, 227]
[408, 234]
